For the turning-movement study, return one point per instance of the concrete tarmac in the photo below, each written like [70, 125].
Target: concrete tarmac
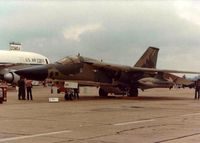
[157, 116]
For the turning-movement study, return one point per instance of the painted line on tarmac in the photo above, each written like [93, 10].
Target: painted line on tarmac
[33, 136]
[134, 122]
[193, 114]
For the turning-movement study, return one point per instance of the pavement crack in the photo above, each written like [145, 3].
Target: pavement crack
[142, 127]
[15, 134]
[91, 138]
[177, 138]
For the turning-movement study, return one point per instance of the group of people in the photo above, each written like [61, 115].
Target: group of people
[71, 94]
[25, 87]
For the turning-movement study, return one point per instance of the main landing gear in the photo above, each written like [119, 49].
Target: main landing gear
[103, 93]
[133, 92]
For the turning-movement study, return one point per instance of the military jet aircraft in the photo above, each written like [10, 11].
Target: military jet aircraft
[111, 78]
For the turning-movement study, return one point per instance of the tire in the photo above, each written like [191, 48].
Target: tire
[66, 96]
[102, 93]
[133, 92]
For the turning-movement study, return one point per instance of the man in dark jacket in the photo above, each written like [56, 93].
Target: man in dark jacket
[21, 92]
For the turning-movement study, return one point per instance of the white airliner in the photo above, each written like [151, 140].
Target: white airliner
[16, 59]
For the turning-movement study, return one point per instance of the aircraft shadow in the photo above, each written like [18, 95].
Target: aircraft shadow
[142, 98]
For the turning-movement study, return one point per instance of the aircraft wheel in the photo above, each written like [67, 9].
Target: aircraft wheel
[66, 96]
[102, 92]
[133, 92]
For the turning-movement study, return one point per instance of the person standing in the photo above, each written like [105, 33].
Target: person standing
[71, 94]
[29, 89]
[198, 88]
[21, 92]
[76, 93]
[195, 86]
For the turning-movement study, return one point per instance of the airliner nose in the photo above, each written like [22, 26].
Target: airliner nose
[34, 73]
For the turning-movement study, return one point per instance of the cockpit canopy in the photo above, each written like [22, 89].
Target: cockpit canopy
[76, 59]
[69, 60]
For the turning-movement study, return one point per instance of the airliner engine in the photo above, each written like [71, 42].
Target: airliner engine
[11, 77]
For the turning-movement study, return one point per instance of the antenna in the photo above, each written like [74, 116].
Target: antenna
[14, 46]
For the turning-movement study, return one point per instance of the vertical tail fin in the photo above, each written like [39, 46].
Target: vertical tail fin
[148, 59]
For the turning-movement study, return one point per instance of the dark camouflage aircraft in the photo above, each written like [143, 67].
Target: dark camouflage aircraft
[111, 78]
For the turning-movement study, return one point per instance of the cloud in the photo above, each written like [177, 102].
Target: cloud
[188, 10]
[75, 32]
[115, 31]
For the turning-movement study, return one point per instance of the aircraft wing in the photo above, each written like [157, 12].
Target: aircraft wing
[162, 70]
[115, 67]
[178, 80]
[7, 65]
[6, 68]
[13, 66]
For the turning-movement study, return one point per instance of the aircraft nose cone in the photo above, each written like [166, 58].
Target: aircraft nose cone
[34, 73]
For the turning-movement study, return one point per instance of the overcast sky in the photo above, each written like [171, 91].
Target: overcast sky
[115, 31]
